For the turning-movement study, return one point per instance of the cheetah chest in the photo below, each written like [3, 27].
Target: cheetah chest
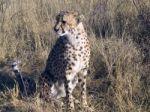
[69, 53]
[78, 51]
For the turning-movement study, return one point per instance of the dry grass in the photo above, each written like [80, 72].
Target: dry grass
[118, 88]
[119, 32]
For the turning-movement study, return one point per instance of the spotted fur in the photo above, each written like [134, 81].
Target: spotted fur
[68, 60]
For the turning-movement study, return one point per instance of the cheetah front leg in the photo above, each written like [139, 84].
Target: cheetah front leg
[82, 81]
[69, 86]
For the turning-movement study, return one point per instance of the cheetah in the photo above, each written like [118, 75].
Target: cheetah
[68, 62]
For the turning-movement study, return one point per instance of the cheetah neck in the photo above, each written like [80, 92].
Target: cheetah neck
[64, 34]
[79, 29]
[75, 36]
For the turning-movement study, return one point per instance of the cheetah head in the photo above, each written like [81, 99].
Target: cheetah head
[67, 21]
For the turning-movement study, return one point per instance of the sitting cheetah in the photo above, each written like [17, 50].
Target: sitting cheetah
[68, 60]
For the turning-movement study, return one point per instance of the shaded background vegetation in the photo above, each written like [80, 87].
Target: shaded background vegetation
[119, 33]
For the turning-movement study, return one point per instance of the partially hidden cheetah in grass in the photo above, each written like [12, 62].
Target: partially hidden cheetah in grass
[68, 60]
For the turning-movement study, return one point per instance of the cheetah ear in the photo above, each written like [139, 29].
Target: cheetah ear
[75, 13]
[80, 18]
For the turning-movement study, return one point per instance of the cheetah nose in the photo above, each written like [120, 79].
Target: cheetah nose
[56, 30]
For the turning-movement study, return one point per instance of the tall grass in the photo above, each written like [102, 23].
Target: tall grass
[119, 32]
